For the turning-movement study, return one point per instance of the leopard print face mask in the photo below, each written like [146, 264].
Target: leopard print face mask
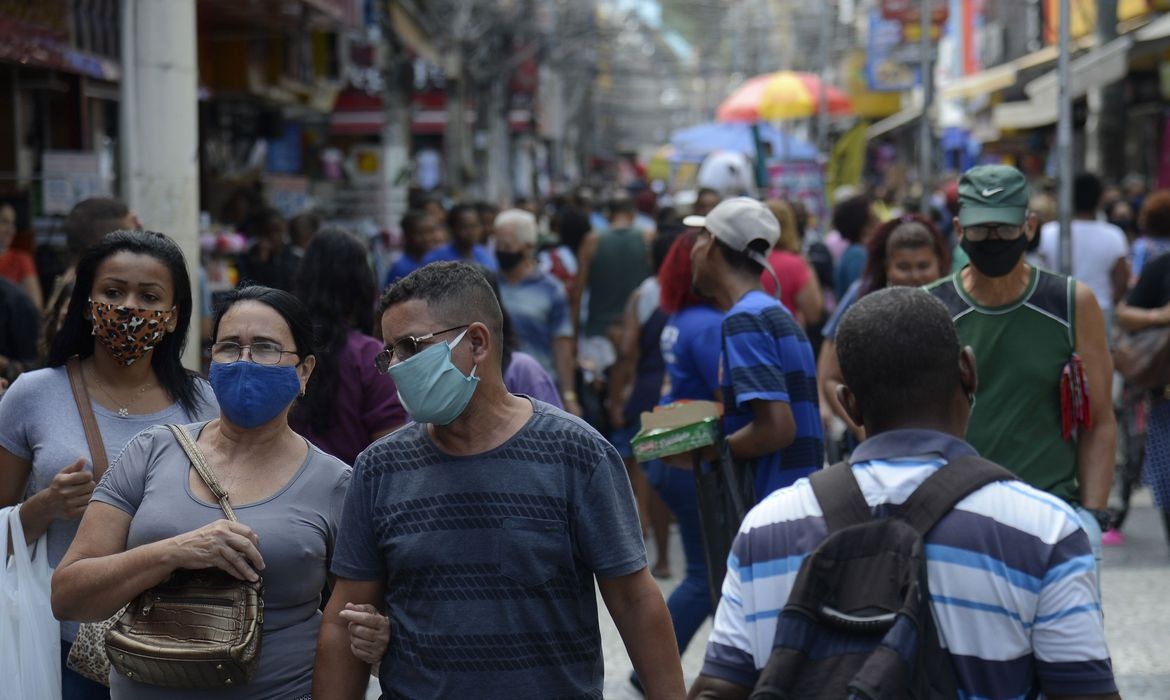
[129, 333]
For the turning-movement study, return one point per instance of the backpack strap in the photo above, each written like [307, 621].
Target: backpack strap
[942, 490]
[840, 497]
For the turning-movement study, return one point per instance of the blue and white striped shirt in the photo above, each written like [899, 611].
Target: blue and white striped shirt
[1012, 580]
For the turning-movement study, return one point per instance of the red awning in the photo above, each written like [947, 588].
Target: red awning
[357, 113]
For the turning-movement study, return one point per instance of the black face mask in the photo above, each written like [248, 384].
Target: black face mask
[993, 257]
[508, 261]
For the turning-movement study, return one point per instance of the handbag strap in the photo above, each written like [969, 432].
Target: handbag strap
[93, 436]
[204, 471]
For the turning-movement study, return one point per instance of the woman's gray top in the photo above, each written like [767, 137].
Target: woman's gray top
[297, 527]
[39, 422]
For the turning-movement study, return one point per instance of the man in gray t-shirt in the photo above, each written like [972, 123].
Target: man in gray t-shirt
[481, 527]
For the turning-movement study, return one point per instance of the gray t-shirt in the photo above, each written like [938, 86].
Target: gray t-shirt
[489, 560]
[297, 527]
[39, 422]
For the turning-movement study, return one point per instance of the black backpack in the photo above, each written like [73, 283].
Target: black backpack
[857, 624]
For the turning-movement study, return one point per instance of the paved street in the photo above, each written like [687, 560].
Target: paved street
[1134, 578]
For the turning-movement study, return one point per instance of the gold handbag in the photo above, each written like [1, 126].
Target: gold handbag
[197, 629]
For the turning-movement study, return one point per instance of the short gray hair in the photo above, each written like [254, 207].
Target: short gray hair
[520, 221]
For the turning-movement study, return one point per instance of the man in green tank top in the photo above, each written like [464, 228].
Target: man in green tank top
[611, 265]
[1026, 326]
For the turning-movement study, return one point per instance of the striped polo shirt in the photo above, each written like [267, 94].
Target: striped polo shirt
[1011, 577]
[767, 356]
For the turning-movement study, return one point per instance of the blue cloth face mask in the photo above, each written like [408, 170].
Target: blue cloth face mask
[249, 394]
[432, 389]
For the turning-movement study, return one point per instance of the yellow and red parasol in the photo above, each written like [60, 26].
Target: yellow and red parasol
[781, 95]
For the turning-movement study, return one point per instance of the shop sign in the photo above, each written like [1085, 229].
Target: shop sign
[69, 177]
[884, 71]
[910, 11]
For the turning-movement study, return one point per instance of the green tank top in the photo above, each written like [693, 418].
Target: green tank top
[1020, 351]
[619, 265]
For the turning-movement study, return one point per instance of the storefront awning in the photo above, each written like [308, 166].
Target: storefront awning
[358, 113]
[1099, 67]
[981, 83]
[1024, 114]
[894, 121]
[1156, 30]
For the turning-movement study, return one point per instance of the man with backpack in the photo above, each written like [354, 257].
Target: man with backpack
[825, 583]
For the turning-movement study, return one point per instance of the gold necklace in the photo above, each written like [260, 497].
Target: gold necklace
[123, 409]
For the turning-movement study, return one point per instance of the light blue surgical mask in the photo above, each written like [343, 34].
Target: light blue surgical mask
[432, 389]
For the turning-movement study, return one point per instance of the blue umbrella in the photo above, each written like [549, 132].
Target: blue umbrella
[693, 143]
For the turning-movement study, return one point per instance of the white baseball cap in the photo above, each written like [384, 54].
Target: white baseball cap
[739, 222]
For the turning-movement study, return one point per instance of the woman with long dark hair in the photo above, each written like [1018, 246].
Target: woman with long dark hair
[126, 324]
[348, 404]
[904, 252]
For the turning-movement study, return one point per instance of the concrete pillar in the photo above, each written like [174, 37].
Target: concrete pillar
[159, 129]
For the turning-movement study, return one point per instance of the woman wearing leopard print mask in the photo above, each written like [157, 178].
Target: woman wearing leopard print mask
[127, 324]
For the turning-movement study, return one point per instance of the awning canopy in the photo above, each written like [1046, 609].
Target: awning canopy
[1101, 66]
[981, 83]
[894, 121]
[1158, 29]
[1024, 114]
[1005, 75]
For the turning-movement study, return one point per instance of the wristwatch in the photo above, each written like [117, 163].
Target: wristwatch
[1104, 518]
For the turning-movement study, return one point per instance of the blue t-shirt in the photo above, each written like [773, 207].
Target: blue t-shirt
[690, 347]
[767, 356]
[479, 255]
[849, 269]
[539, 309]
[402, 267]
[489, 560]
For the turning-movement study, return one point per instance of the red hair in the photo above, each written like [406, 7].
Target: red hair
[675, 276]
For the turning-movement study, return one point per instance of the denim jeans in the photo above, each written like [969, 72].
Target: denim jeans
[690, 602]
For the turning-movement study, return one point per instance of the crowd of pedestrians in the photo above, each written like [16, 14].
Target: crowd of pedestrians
[431, 454]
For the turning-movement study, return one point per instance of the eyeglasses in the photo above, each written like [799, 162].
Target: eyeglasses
[1004, 232]
[262, 353]
[406, 348]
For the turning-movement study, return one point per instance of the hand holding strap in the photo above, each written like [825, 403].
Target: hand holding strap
[93, 436]
[204, 471]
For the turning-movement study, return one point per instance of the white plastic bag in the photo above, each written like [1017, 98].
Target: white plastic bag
[30, 637]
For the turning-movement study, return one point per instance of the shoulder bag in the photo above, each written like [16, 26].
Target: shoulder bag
[87, 656]
[1143, 357]
[197, 629]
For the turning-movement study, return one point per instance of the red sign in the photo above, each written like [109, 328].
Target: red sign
[910, 11]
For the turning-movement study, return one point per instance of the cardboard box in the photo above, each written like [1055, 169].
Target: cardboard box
[676, 428]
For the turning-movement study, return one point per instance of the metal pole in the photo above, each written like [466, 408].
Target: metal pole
[823, 98]
[1064, 145]
[925, 154]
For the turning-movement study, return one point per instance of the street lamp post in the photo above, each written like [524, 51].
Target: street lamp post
[925, 150]
[1064, 145]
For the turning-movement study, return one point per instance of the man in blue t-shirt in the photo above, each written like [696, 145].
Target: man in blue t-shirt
[485, 528]
[419, 236]
[466, 240]
[536, 302]
[767, 370]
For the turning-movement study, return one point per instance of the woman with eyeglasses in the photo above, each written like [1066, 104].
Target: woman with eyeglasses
[152, 514]
[125, 329]
[348, 404]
